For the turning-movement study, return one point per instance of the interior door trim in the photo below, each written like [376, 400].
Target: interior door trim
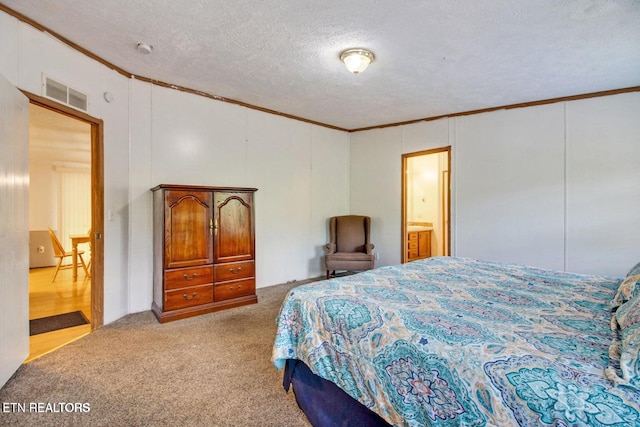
[403, 227]
[97, 200]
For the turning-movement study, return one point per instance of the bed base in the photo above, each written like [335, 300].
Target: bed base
[323, 402]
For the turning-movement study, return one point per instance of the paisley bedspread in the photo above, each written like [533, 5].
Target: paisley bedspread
[454, 341]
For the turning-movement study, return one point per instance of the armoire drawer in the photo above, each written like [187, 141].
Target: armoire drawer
[188, 297]
[235, 289]
[233, 271]
[185, 277]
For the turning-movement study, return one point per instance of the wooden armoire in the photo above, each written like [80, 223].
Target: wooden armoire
[203, 250]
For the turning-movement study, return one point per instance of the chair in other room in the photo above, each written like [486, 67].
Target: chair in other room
[60, 253]
[349, 247]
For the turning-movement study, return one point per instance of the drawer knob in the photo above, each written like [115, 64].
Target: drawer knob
[193, 276]
[236, 271]
[189, 298]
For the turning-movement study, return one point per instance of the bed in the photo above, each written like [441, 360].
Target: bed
[457, 341]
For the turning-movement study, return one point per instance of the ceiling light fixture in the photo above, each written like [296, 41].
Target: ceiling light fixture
[357, 60]
[144, 48]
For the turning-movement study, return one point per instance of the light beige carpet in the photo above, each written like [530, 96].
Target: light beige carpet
[211, 370]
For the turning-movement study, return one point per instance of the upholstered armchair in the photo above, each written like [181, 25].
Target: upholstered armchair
[349, 247]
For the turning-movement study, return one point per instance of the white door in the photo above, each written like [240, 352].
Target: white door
[14, 229]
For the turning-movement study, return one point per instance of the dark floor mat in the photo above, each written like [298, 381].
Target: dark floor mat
[59, 321]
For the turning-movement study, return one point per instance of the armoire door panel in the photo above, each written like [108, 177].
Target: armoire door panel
[233, 227]
[187, 237]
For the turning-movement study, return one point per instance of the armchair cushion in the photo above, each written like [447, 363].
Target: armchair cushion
[349, 256]
[355, 261]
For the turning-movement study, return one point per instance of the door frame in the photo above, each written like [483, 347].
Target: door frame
[447, 205]
[97, 200]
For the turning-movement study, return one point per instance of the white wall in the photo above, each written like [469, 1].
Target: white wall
[376, 188]
[26, 53]
[556, 186]
[603, 184]
[306, 173]
[509, 186]
[156, 135]
[376, 181]
[301, 172]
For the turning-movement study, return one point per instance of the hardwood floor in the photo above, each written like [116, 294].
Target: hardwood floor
[62, 296]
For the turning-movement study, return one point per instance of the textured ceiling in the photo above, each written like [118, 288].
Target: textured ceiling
[432, 57]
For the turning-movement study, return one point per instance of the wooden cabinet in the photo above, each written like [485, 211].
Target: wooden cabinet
[204, 250]
[418, 245]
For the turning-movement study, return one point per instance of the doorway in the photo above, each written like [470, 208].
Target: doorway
[426, 204]
[66, 195]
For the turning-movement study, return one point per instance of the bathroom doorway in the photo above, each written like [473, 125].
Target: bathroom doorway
[426, 204]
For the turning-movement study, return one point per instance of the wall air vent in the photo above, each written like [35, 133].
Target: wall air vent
[64, 94]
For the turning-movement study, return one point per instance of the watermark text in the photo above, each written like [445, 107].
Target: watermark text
[45, 407]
